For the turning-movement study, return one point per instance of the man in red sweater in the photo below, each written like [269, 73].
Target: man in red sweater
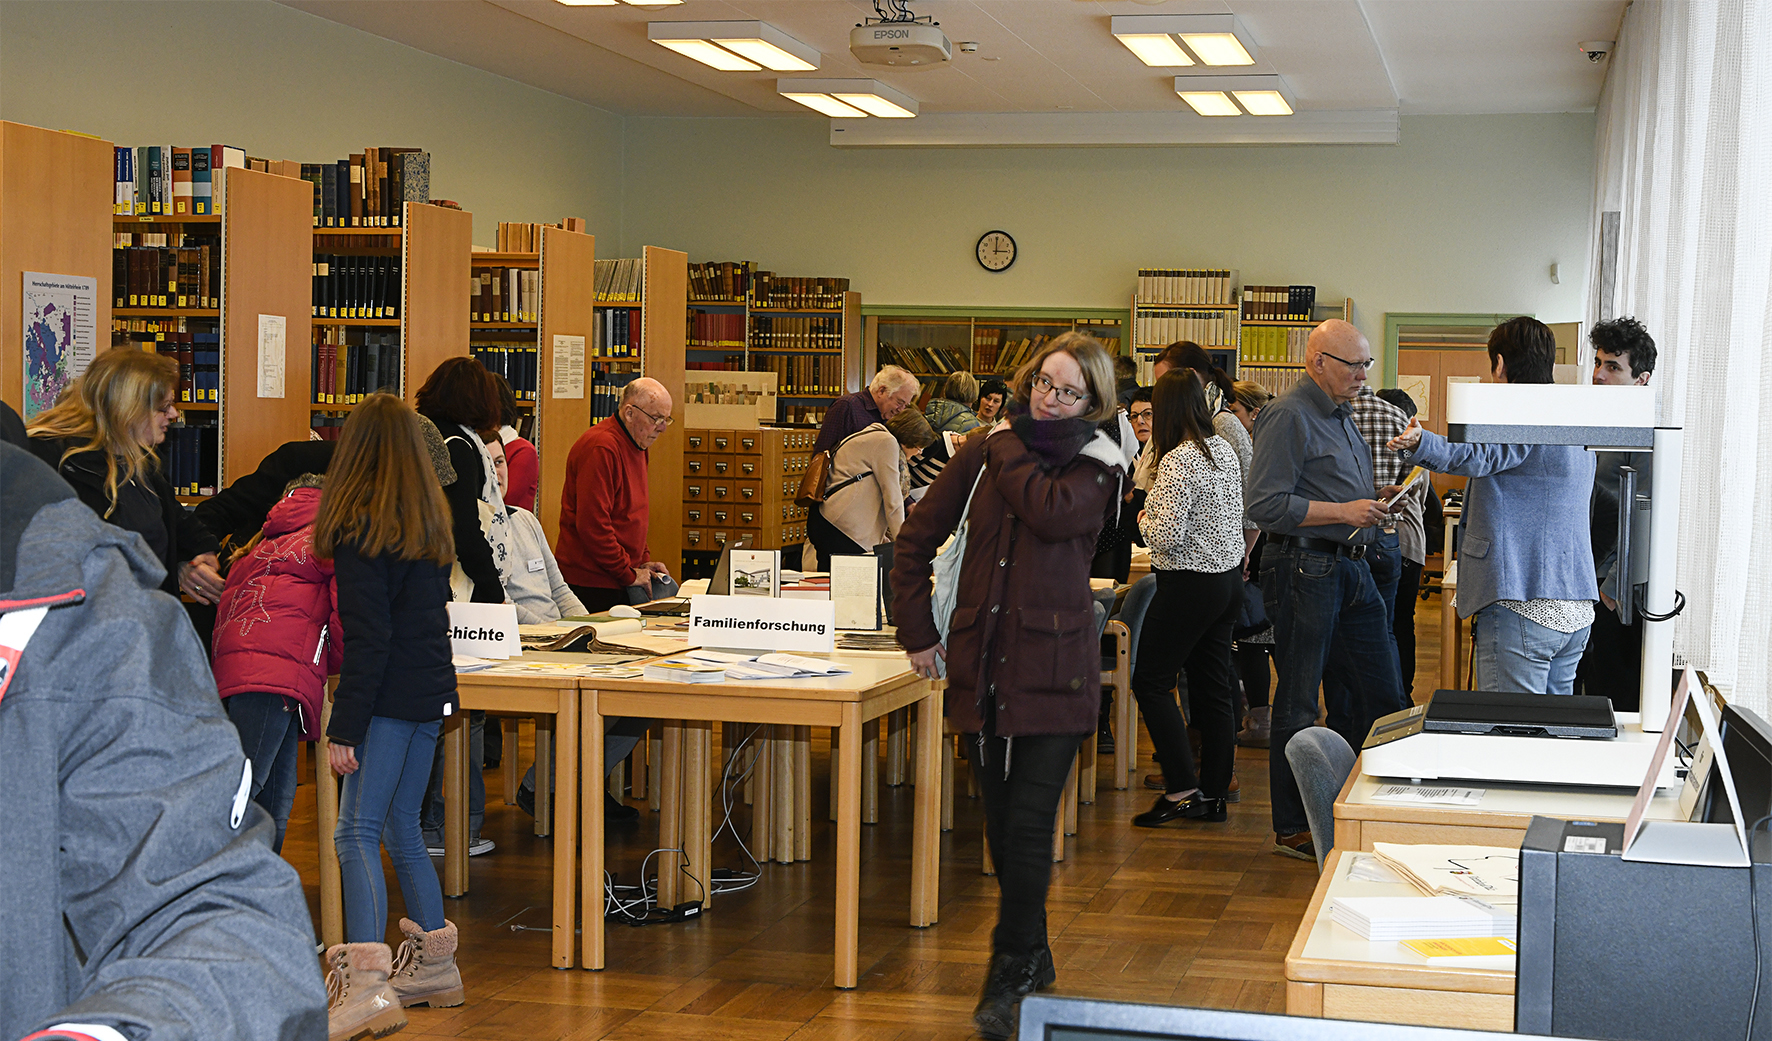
[603, 507]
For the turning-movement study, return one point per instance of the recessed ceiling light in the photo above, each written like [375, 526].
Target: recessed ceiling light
[652, 3]
[1210, 102]
[588, 3]
[1219, 48]
[849, 98]
[1264, 102]
[1215, 39]
[825, 103]
[736, 46]
[1158, 50]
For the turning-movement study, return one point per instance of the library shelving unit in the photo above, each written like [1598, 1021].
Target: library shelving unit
[1272, 349]
[641, 331]
[1198, 304]
[428, 257]
[56, 191]
[560, 394]
[814, 353]
[934, 341]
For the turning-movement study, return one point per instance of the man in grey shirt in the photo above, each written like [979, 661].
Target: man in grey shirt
[1310, 488]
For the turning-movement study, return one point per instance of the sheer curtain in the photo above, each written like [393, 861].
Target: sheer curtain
[1684, 155]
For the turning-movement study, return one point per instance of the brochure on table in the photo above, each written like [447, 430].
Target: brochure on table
[773, 666]
[483, 630]
[756, 623]
[1688, 842]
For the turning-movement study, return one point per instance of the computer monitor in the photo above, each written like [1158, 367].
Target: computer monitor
[1747, 744]
[1075, 1019]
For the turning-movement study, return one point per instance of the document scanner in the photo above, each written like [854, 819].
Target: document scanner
[1509, 738]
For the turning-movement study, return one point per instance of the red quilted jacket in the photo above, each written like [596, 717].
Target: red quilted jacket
[276, 628]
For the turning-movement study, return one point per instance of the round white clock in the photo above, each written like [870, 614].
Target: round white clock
[996, 251]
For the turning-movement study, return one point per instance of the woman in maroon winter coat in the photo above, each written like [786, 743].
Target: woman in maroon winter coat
[1024, 666]
[276, 640]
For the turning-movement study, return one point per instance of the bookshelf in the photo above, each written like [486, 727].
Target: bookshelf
[560, 392]
[434, 249]
[813, 351]
[1197, 304]
[1271, 350]
[934, 341]
[56, 191]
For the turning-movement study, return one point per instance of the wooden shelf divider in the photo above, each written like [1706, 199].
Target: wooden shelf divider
[434, 308]
[568, 265]
[664, 336]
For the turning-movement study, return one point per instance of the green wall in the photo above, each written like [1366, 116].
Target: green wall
[284, 84]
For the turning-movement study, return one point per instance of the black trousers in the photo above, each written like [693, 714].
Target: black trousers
[1020, 810]
[1612, 664]
[1403, 621]
[1188, 627]
[1255, 668]
[827, 539]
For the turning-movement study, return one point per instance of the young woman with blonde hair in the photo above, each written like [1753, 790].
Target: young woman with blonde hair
[383, 523]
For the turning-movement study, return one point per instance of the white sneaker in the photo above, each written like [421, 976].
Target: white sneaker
[479, 846]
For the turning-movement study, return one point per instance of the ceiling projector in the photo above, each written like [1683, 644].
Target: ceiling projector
[900, 44]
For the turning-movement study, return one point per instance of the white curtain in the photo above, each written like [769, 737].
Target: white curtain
[1684, 155]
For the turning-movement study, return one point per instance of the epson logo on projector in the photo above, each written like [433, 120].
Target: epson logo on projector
[891, 34]
[458, 632]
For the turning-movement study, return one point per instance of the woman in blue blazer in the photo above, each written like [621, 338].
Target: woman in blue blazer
[1526, 567]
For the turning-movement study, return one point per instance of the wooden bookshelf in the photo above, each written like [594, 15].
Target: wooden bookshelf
[147, 218]
[164, 312]
[434, 263]
[971, 340]
[266, 270]
[56, 193]
[568, 263]
[664, 311]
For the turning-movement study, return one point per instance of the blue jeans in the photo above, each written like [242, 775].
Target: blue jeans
[1512, 652]
[378, 805]
[1384, 558]
[270, 732]
[1330, 624]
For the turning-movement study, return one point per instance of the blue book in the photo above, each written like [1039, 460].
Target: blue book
[202, 184]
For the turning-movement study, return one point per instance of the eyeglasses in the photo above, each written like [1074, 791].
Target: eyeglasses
[658, 421]
[169, 405]
[1143, 415]
[1065, 395]
[1361, 365]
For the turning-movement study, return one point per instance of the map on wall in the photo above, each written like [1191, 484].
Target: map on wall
[60, 313]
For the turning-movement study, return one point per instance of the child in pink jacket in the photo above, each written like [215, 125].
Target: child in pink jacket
[276, 640]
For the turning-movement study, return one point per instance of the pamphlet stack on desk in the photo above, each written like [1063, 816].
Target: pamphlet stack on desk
[1383, 919]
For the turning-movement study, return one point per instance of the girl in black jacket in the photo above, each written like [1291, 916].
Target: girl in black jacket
[383, 522]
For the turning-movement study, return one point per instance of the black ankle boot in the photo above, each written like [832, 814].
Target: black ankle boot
[1011, 978]
[1167, 811]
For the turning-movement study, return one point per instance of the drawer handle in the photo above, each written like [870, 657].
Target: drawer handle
[695, 491]
[695, 466]
[695, 441]
[720, 491]
[749, 468]
[720, 516]
[721, 466]
[720, 443]
[749, 493]
[694, 515]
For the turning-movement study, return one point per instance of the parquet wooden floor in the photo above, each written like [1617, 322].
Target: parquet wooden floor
[1197, 916]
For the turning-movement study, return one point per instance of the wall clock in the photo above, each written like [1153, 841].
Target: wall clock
[996, 251]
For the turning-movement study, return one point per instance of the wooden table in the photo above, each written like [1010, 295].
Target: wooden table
[1499, 820]
[1332, 973]
[875, 687]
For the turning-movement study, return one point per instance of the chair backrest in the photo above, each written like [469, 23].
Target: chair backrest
[1321, 760]
[1132, 609]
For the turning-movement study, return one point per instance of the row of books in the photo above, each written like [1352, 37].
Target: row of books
[795, 293]
[1161, 328]
[166, 180]
[620, 281]
[1273, 344]
[356, 287]
[938, 360]
[1196, 287]
[615, 333]
[199, 364]
[147, 332]
[505, 294]
[605, 393]
[731, 363]
[803, 375]
[526, 238]
[1279, 303]
[366, 189]
[516, 362]
[1275, 381]
[351, 364]
[191, 458]
[797, 332]
[327, 428]
[1015, 353]
[714, 332]
[805, 415]
[721, 281]
[154, 276]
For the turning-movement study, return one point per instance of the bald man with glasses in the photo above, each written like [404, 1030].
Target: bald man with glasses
[1310, 487]
[604, 505]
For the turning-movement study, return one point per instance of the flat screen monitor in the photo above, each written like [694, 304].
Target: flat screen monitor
[1076, 1019]
[1747, 744]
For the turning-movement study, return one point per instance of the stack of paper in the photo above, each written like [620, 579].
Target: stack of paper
[469, 663]
[684, 670]
[1489, 873]
[776, 666]
[1464, 952]
[1382, 918]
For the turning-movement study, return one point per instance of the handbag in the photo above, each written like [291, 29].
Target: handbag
[1252, 614]
[815, 486]
[946, 566]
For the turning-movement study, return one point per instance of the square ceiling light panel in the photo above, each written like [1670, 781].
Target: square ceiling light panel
[1159, 39]
[738, 46]
[1257, 95]
[849, 98]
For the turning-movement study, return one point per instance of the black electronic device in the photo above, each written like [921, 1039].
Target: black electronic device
[1074, 1019]
[1747, 745]
[1519, 715]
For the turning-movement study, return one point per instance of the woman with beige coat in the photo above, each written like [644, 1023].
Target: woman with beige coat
[869, 480]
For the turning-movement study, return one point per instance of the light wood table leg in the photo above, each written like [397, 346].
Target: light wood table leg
[591, 746]
[1451, 646]
[926, 824]
[654, 766]
[670, 813]
[566, 825]
[848, 956]
[836, 764]
[895, 747]
[332, 908]
[783, 802]
[455, 804]
[1088, 757]
[870, 772]
[763, 797]
[1073, 792]
[697, 837]
[507, 725]
[947, 784]
[544, 767]
[640, 767]
[803, 793]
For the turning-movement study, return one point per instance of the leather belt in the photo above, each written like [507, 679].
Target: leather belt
[1352, 551]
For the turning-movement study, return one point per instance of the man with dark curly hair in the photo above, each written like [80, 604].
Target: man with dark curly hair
[1612, 666]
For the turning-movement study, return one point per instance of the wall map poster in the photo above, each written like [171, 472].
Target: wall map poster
[61, 315]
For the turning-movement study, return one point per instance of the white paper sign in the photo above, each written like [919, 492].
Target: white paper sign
[60, 336]
[569, 366]
[762, 623]
[273, 332]
[484, 630]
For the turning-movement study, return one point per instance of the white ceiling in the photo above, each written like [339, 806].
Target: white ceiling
[1034, 56]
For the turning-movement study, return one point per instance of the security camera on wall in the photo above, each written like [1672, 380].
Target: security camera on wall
[1596, 50]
